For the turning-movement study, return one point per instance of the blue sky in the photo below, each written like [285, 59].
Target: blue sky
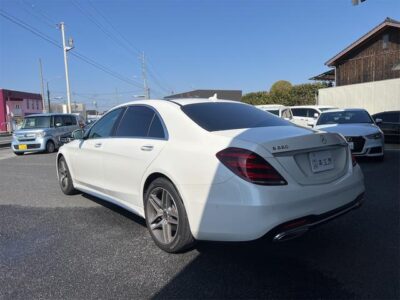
[190, 44]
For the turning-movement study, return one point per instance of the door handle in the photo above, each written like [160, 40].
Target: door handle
[146, 148]
[97, 145]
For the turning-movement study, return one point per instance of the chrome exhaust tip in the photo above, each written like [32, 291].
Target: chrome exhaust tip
[290, 234]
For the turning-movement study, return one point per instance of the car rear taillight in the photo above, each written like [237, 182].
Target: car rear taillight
[353, 160]
[250, 166]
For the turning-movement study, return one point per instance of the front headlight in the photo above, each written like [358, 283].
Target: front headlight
[374, 136]
[41, 134]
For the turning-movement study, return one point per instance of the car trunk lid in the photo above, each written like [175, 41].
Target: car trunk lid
[308, 156]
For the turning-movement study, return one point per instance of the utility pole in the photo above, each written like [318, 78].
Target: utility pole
[48, 98]
[146, 88]
[42, 85]
[65, 50]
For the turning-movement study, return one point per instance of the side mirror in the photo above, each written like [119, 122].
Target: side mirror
[77, 134]
[378, 121]
[316, 115]
[58, 124]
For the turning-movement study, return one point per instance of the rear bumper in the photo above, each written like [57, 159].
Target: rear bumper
[295, 228]
[236, 210]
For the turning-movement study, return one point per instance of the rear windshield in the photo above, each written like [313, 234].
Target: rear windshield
[217, 116]
[344, 117]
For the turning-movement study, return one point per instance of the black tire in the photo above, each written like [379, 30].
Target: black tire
[182, 238]
[64, 178]
[379, 158]
[19, 153]
[50, 147]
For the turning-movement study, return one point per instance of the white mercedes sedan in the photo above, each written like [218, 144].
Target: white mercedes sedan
[365, 138]
[203, 169]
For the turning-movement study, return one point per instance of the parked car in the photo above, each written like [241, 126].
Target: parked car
[389, 123]
[279, 110]
[200, 169]
[42, 132]
[363, 135]
[306, 115]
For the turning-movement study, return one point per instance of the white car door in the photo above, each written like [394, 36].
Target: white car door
[88, 158]
[311, 117]
[300, 116]
[139, 138]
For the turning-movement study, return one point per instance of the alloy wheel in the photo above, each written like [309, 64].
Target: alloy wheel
[162, 214]
[63, 174]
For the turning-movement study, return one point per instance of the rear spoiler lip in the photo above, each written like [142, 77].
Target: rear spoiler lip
[328, 141]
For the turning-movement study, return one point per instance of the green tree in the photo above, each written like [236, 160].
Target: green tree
[280, 86]
[305, 94]
[282, 92]
[256, 98]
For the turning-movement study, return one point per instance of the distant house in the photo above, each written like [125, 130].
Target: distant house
[367, 72]
[221, 94]
[15, 105]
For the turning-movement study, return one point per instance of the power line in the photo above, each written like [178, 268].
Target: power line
[34, 13]
[153, 73]
[75, 53]
[29, 28]
[168, 89]
[138, 52]
[99, 25]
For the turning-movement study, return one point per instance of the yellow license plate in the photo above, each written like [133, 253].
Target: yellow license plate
[22, 147]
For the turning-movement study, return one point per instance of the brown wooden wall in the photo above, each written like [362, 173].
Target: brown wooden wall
[371, 62]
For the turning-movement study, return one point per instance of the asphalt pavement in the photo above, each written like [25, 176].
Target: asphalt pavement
[54, 246]
[5, 141]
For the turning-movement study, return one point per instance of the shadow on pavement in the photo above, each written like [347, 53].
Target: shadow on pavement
[116, 209]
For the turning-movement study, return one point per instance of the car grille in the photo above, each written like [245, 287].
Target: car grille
[358, 141]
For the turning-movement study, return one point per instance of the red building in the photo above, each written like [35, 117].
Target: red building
[15, 105]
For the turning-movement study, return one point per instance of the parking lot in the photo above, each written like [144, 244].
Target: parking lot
[54, 246]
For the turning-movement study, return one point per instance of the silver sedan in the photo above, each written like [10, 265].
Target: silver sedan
[365, 138]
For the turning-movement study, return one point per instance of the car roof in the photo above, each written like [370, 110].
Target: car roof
[343, 110]
[271, 106]
[180, 102]
[313, 106]
[387, 111]
[49, 115]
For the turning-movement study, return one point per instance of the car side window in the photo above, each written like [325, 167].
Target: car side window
[136, 122]
[105, 126]
[311, 112]
[58, 121]
[156, 128]
[286, 114]
[299, 112]
[390, 117]
[67, 120]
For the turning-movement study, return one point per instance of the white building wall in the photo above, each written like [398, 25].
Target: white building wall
[374, 96]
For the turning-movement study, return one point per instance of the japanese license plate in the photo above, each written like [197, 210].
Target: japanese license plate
[321, 161]
[22, 147]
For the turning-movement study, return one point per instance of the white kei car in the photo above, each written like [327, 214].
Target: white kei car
[281, 111]
[200, 169]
